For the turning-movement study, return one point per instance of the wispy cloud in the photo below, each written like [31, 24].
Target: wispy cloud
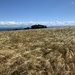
[57, 23]
[72, 2]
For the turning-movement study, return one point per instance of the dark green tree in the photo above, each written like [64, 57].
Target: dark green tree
[36, 26]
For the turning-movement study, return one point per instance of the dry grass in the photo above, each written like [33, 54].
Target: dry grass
[38, 52]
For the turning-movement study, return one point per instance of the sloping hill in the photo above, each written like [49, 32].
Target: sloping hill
[38, 52]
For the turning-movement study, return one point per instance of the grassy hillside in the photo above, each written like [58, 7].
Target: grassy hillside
[38, 52]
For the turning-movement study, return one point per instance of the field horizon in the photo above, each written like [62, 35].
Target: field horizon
[9, 27]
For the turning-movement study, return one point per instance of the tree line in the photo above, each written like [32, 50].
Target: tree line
[36, 26]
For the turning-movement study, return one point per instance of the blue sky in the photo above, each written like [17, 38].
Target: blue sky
[37, 10]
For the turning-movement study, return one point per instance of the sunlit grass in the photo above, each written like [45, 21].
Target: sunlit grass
[49, 51]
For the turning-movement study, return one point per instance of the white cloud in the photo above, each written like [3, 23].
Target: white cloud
[7, 23]
[57, 23]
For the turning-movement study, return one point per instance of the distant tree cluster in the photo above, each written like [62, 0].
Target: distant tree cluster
[38, 26]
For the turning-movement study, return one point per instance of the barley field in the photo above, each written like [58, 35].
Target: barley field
[49, 51]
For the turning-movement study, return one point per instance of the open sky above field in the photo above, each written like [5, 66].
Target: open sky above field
[37, 10]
